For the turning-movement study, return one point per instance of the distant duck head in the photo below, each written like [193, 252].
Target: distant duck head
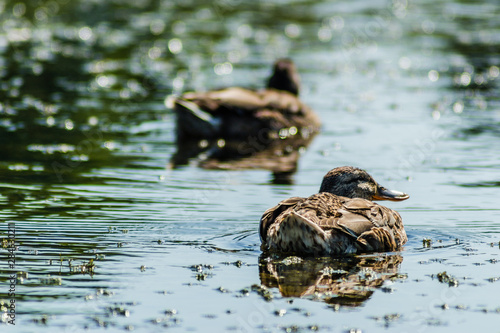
[285, 77]
[352, 182]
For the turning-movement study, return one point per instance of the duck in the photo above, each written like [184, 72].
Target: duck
[238, 113]
[341, 219]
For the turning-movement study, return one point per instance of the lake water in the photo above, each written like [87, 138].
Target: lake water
[116, 232]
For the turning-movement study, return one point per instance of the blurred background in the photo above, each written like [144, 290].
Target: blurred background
[408, 90]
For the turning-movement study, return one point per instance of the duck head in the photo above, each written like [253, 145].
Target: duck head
[285, 77]
[352, 182]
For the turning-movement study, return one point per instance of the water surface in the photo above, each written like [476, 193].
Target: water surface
[112, 235]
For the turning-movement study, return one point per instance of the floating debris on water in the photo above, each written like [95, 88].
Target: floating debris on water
[222, 290]
[438, 260]
[392, 317]
[280, 312]
[354, 330]
[51, 281]
[43, 320]
[444, 277]
[435, 322]
[426, 242]
[244, 292]
[388, 318]
[292, 328]
[297, 328]
[118, 311]
[201, 273]
[168, 320]
[104, 292]
[100, 322]
[210, 316]
[200, 267]
[203, 276]
[170, 312]
[263, 291]
[85, 267]
[98, 293]
[237, 263]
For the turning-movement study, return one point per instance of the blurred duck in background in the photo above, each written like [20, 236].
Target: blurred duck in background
[238, 113]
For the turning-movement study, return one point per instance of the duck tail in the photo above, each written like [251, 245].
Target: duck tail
[194, 120]
[299, 234]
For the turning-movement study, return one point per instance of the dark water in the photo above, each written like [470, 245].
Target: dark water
[118, 230]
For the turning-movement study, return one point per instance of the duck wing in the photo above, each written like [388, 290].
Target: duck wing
[244, 100]
[227, 99]
[376, 227]
[270, 215]
[372, 227]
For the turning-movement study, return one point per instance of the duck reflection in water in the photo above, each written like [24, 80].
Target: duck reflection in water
[342, 281]
[278, 156]
[237, 128]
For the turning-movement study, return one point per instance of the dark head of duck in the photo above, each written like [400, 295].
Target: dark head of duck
[352, 182]
[285, 77]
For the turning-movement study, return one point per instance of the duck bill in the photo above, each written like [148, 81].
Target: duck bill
[385, 194]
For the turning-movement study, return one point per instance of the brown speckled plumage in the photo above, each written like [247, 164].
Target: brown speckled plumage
[329, 223]
[239, 113]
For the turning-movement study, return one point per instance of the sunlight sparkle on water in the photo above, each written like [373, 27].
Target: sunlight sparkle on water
[433, 75]
[465, 79]
[494, 71]
[458, 107]
[404, 62]
[175, 45]
[85, 33]
[293, 30]
[68, 124]
[223, 69]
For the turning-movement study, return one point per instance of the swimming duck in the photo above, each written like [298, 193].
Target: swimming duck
[241, 113]
[340, 219]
